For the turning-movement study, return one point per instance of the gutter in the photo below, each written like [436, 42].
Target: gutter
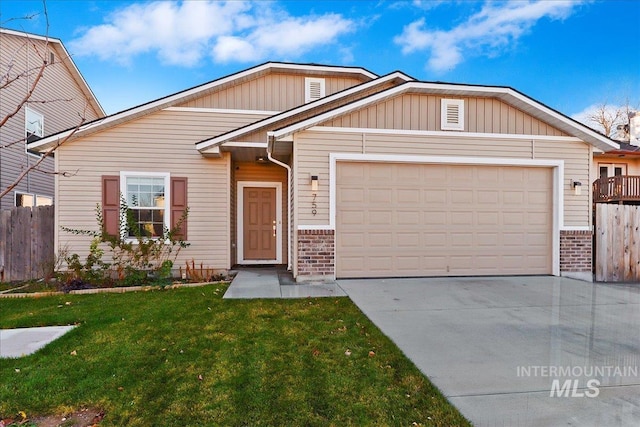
[289, 193]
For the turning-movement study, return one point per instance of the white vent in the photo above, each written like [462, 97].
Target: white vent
[452, 114]
[313, 89]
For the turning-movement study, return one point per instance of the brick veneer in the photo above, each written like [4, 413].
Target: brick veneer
[316, 255]
[575, 251]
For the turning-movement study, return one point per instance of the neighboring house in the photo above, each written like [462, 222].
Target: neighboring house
[58, 102]
[338, 172]
[617, 171]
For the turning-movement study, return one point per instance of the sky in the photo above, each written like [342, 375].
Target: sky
[570, 55]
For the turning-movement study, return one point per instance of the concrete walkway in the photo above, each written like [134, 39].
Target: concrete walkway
[267, 282]
[25, 341]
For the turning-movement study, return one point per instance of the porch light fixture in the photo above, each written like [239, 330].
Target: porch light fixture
[314, 183]
[261, 159]
[577, 187]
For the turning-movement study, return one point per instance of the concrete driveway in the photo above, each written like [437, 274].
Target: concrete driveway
[517, 351]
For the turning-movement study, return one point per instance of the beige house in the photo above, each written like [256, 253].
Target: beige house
[60, 98]
[338, 172]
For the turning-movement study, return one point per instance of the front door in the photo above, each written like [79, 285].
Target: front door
[259, 224]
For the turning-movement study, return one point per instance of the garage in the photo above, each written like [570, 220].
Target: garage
[410, 219]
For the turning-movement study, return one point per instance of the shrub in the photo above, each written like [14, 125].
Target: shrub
[134, 260]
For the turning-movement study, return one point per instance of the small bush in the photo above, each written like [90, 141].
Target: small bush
[133, 260]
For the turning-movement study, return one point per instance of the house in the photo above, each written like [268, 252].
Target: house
[617, 171]
[338, 172]
[60, 98]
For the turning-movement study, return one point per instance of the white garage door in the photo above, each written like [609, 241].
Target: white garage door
[402, 220]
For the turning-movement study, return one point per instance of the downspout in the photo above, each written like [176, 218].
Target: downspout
[289, 193]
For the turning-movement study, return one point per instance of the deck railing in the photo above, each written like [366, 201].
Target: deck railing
[622, 188]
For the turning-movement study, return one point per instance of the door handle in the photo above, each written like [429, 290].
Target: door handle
[274, 229]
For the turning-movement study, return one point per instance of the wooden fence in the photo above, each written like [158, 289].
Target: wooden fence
[617, 243]
[26, 243]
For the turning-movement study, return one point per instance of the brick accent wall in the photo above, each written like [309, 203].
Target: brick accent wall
[575, 251]
[316, 255]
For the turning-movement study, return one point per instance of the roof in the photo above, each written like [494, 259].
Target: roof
[504, 93]
[625, 149]
[253, 127]
[62, 53]
[197, 91]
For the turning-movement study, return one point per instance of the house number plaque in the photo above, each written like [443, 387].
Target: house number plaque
[314, 205]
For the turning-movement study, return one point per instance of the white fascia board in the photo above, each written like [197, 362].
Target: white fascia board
[156, 105]
[304, 124]
[242, 144]
[254, 126]
[68, 59]
[527, 104]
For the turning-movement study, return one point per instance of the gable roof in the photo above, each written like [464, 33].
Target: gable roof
[198, 91]
[503, 93]
[262, 124]
[62, 53]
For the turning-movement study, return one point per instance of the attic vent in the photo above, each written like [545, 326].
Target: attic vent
[313, 89]
[452, 114]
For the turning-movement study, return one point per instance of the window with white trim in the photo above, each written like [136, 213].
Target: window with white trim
[34, 125]
[147, 197]
[314, 88]
[31, 199]
[452, 114]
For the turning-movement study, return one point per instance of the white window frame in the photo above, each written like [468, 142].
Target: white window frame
[39, 117]
[444, 106]
[36, 199]
[23, 193]
[308, 81]
[167, 194]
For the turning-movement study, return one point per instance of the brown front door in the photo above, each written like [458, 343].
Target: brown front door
[259, 224]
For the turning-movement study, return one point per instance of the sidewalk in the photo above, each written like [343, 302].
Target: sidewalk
[25, 341]
[272, 282]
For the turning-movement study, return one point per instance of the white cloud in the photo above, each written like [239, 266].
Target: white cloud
[487, 31]
[284, 37]
[183, 33]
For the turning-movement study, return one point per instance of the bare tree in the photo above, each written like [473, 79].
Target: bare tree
[611, 119]
[10, 77]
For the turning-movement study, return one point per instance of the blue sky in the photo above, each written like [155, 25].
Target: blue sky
[569, 55]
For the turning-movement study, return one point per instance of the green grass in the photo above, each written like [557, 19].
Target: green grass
[139, 356]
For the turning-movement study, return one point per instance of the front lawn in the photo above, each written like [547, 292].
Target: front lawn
[186, 357]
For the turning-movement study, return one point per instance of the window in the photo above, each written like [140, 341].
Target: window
[30, 199]
[452, 114]
[314, 88]
[34, 125]
[146, 196]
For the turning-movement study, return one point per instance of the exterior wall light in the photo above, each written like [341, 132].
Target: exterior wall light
[577, 187]
[314, 183]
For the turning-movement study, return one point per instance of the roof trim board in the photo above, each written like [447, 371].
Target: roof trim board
[220, 139]
[507, 94]
[84, 86]
[184, 95]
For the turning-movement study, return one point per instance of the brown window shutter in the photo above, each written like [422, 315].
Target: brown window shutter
[111, 204]
[179, 205]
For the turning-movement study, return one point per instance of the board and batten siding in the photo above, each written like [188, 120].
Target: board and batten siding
[422, 112]
[65, 105]
[161, 142]
[312, 149]
[268, 92]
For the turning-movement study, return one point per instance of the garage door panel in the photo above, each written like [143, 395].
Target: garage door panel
[443, 220]
[380, 218]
